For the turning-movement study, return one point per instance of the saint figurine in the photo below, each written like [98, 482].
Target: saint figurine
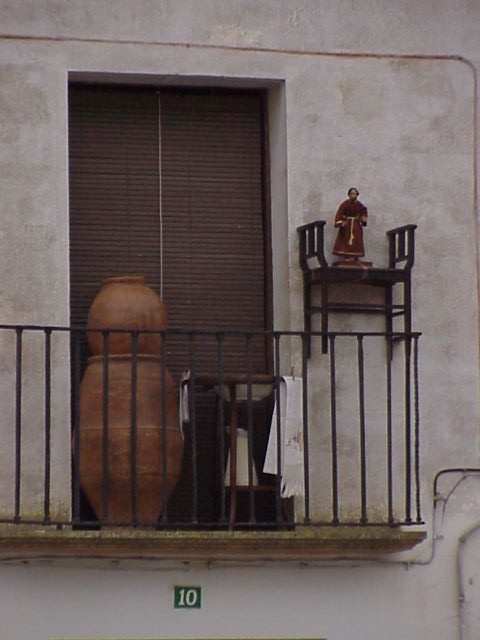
[350, 219]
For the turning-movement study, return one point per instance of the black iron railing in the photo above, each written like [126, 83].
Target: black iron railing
[354, 454]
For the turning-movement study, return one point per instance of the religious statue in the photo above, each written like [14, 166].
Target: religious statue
[350, 219]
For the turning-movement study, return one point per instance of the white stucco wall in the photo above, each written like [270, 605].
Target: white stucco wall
[334, 600]
[381, 95]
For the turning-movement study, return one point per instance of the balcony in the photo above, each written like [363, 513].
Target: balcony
[286, 458]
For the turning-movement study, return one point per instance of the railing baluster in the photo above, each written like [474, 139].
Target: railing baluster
[221, 427]
[106, 391]
[251, 497]
[163, 350]
[133, 422]
[18, 421]
[361, 399]
[48, 388]
[389, 433]
[278, 477]
[76, 427]
[408, 432]
[333, 419]
[417, 429]
[306, 467]
[193, 426]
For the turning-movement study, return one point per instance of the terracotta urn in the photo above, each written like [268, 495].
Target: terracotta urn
[126, 302]
[130, 446]
[157, 437]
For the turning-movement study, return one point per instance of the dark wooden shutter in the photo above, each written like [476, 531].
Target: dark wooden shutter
[214, 267]
[114, 197]
[211, 208]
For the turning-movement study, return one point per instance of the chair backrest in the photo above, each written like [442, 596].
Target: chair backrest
[401, 246]
[311, 251]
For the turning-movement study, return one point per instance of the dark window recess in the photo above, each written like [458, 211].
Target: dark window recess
[193, 160]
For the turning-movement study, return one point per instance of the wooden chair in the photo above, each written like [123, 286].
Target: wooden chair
[317, 272]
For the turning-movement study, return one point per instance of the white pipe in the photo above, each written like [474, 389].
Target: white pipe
[460, 581]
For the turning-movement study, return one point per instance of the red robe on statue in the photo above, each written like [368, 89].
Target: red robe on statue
[350, 219]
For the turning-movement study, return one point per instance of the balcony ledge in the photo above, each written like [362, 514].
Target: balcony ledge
[22, 542]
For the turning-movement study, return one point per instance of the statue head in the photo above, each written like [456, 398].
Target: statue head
[353, 193]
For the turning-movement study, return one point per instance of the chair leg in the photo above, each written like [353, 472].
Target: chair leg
[324, 314]
[307, 314]
[389, 321]
[407, 305]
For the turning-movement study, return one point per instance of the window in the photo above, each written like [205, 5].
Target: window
[170, 184]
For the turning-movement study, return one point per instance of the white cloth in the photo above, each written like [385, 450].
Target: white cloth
[291, 439]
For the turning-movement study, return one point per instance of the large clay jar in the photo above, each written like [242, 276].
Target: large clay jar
[126, 302]
[158, 437]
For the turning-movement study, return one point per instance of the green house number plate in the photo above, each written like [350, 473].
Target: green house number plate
[187, 597]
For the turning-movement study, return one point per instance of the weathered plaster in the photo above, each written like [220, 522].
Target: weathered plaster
[346, 107]
[400, 129]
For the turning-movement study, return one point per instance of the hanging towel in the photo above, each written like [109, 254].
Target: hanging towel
[291, 442]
